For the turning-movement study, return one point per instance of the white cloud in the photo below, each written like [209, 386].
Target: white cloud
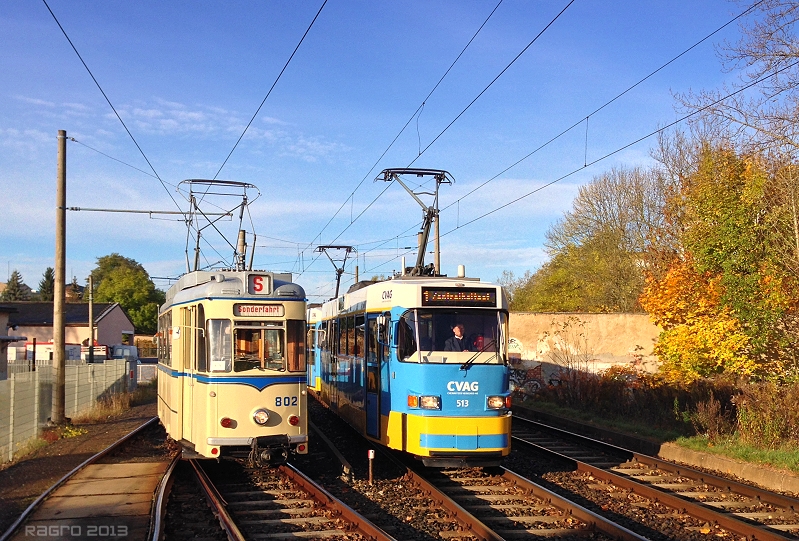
[35, 101]
[26, 143]
[272, 120]
[147, 113]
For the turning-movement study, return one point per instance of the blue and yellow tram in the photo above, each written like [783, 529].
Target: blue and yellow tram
[231, 359]
[388, 364]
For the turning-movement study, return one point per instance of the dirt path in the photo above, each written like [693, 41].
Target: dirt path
[23, 481]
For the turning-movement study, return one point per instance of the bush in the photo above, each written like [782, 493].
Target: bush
[767, 415]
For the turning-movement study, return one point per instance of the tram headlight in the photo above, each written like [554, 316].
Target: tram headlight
[261, 417]
[426, 402]
[496, 402]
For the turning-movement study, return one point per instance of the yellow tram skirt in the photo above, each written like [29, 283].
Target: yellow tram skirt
[424, 434]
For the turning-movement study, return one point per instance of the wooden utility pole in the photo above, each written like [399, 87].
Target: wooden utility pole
[58, 414]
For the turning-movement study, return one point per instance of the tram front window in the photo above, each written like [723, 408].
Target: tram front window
[259, 348]
[429, 332]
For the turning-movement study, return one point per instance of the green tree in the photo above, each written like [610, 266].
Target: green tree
[123, 280]
[47, 285]
[109, 263]
[73, 292]
[597, 249]
[16, 290]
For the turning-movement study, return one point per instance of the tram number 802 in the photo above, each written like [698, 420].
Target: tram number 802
[285, 401]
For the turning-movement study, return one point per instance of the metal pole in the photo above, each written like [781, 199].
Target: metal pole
[438, 245]
[58, 414]
[91, 319]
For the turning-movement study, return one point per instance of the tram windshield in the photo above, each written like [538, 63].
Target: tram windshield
[433, 335]
[256, 345]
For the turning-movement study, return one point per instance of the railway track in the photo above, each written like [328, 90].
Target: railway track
[416, 503]
[109, 495]
[497, 504]
[703, 502]
[277, 503]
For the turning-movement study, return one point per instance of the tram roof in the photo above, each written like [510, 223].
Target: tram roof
[230, 283]
[404, 291]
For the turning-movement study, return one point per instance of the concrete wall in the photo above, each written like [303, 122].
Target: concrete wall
[596, 341]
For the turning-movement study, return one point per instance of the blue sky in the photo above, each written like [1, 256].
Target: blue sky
[186, 77]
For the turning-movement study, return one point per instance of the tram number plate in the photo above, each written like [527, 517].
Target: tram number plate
[462, 403]
[285, 401]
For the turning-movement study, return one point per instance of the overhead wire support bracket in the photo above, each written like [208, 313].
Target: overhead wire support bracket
[225, 188]
[133, 211]
[339, 270]
[430, 213]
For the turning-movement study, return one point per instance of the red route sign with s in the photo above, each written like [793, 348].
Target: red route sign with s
[259, 284]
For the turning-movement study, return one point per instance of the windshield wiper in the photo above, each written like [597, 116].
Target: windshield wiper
[468, 363]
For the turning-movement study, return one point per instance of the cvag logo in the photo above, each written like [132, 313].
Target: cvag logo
[462, 386]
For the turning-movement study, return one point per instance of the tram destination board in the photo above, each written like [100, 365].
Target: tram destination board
[459, 296]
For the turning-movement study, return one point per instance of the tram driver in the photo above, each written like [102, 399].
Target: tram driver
[457, 342]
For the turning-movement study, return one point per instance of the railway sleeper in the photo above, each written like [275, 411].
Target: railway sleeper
[546, 532]
[317, 534]
[296, 521]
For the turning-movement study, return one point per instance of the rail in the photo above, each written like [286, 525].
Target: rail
[676, 499]
[38, 501]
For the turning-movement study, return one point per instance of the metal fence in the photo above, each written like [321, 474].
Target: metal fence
[26, 398]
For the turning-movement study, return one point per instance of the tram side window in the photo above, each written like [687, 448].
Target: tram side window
[330, 336]
[220, 347]
[295, 348]
[342, 336]
[165, 338]
[351, 346]
[360, 332]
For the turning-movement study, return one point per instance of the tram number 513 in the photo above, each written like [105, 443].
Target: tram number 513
[462, 403]
[285, 401]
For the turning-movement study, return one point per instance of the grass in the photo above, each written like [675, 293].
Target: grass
[625, 425]
[786, 458]
[28, 448]
[106, 406]
[115, 404]
[145, 393]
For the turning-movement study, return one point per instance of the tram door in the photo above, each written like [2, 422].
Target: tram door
[374, 357]
[188, 371]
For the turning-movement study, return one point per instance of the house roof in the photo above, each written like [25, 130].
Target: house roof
[41, 313]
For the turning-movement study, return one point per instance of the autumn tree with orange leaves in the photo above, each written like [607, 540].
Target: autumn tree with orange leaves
[726, 302]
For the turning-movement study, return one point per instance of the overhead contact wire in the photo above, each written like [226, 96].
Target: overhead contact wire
[494, 80]
[271, 88]
[468, 106]
[628, 145]
[110, 104]
[415, 113]
[607, 103]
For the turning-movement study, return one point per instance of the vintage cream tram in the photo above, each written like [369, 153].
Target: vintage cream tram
[231, 359]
